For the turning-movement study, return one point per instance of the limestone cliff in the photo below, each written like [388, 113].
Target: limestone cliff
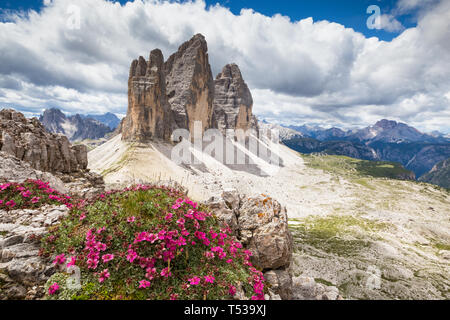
[190, 84]
[233, 100]
[149, 114]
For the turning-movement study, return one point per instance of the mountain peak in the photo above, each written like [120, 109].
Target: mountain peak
[386, 124]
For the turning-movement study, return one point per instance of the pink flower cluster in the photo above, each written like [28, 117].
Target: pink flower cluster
[94, 248]
[53, 289]
[30, 194]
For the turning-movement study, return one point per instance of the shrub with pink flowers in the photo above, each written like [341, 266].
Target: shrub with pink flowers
[149, 242]
[29, 195]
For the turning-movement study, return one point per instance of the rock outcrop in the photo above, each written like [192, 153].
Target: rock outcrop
[15, 170]
[23, 271]
[190, 84]
[261, 225]
[28, 140]
[175, 94]
[233, 101]
[149, 114]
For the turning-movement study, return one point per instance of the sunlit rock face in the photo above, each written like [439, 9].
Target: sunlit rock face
[233, 100]
[149, 114]
[190, 84]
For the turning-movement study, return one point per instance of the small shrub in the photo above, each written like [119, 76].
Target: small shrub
[149, 242]
[30, 195]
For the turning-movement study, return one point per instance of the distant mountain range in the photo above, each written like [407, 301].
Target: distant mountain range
[79, 127]
[386, 140]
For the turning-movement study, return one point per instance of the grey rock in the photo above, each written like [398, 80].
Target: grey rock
[149, 115]
[190, 84]
[233, 101]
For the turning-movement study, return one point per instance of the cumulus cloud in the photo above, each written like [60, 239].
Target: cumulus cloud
[304, 71]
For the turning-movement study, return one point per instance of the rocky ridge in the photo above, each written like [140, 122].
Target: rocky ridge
[28, 140]
[28, 151]
[76, 127]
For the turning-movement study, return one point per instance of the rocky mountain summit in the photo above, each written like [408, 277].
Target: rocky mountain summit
[76, 127]
[233, 101]
[190, 84]
[163, 96]
[149, 115]
[109, 119]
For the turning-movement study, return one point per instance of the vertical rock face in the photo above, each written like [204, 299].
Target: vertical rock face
[28, 140]
[149, 114]
[190, 84]
[177, 93]
[233, 101]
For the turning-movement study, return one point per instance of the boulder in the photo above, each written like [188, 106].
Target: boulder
[260, 223]
[306, 288]
[263, 227]
[280, 282]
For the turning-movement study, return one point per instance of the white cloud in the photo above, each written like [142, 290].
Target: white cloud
[389, 23]
[298, 71]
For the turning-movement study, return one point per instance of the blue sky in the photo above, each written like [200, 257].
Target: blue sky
[330, 70]
[350, 13]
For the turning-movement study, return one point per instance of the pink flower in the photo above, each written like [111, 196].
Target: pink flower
[169, 216]
[150, 272]
[60, 259]
[72, 261]
[11, 204]
[103, 276]
[232, 291]
[132, 255]
[131, 219]
[181, 241]
[209, 279]
[35, 199]
[4, 186]
[229, 261]
[144, 284]
[194, 281]
[100, 246]
[107, 257]
[26, 194]
[53, 289]
[166, 273]
[82, 216]
[92, 263]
